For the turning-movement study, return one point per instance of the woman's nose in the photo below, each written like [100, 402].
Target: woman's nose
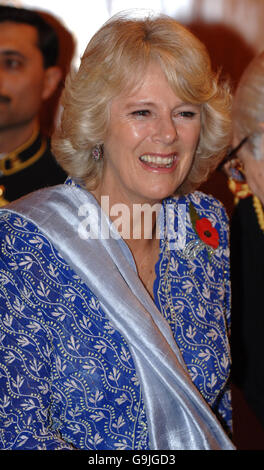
[165, 131]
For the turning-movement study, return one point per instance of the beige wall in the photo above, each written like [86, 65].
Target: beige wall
[233, 31]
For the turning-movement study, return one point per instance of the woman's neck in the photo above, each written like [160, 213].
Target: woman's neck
[136, 222]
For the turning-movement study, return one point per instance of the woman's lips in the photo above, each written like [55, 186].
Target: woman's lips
[159, 162]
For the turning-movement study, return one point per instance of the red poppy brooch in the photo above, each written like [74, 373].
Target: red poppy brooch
[208, 235]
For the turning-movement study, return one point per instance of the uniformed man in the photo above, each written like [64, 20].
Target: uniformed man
[28, 76]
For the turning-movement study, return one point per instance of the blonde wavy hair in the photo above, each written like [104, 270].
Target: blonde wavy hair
[248, 106]
[115, 60]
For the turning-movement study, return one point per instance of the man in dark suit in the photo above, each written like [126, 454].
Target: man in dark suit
[28, 76]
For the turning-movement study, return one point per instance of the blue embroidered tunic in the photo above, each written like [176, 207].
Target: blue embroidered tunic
[67, 377]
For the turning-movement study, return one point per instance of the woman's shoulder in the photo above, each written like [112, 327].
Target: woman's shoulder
[20, 236]
[15, 223]
[190, 208]
[14, 214]
[203, 203]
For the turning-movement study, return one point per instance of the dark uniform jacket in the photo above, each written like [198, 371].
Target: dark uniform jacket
[247, 274]
[32, 166]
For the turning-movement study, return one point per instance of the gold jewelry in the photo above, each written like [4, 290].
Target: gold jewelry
[17, 161]
[3, 201]
[259, 212]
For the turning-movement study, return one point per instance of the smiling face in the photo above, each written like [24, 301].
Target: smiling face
[150, 142]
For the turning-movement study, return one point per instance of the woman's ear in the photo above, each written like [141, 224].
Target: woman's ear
[52, 78]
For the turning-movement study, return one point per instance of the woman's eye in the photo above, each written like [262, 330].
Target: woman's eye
[141, 113]
[187, 114]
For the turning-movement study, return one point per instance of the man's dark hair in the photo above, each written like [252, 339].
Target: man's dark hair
[48, 42]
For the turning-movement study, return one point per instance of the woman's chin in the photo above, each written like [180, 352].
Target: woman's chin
[158, 195]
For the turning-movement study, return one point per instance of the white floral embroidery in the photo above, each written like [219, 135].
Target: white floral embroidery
[69, 380]
[195, 300]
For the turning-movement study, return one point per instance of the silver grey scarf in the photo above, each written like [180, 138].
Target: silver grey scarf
[178, 417]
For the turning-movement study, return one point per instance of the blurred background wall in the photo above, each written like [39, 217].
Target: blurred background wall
[233, 33]
[242, 19]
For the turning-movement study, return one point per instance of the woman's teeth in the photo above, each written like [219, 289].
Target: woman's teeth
[158, 161]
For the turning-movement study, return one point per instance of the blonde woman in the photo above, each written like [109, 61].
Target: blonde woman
[118, 280]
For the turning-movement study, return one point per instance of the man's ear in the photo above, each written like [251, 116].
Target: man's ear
[52, 78]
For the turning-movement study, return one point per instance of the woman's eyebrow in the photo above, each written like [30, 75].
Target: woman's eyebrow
[139, 103]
